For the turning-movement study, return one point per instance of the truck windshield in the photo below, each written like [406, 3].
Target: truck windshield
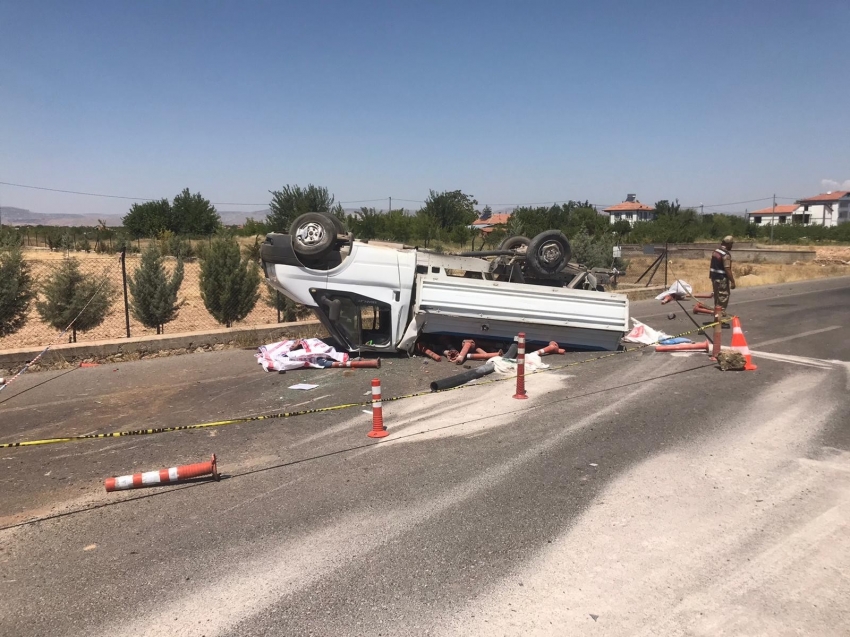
[358, 320]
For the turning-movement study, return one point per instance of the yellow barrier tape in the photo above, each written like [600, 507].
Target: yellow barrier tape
[318, 410]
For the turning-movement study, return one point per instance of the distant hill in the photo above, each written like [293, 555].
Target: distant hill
[22, 217]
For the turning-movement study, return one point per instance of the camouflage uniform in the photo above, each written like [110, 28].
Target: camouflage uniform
[721, 261]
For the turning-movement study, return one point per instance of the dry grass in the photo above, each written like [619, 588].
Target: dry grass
[193, 315]
[695, 271]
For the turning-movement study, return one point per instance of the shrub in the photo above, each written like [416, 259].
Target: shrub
[229, 283]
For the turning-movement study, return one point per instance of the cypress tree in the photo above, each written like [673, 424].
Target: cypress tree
[153, 293]
[229, 283]
[16, 290]
[69, 292]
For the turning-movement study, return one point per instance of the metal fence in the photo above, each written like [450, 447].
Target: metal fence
[192, 316]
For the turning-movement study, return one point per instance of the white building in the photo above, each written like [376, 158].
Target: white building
[631, 210]
[778, 216]
[827, 209]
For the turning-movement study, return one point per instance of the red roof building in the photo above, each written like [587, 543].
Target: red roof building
[827, 208]
[785, 213]
[630, 210]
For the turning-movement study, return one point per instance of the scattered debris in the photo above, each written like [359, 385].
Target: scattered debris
[303, 386]
[731, 361]
[90, 547]
[645, 335]
[305, 352]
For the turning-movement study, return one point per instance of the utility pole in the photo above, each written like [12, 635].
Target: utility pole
[701, 213]
[773, 217]
[391, 205]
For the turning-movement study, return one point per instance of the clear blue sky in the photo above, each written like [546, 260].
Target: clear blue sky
[512, 102]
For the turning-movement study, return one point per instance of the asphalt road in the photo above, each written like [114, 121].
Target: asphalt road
[641, 494]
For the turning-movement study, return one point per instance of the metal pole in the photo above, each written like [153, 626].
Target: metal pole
[277, 304]
[124, 278]
[391, 205]
[773, 217]
[665, 264]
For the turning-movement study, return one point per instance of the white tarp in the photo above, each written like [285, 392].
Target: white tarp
[305, 352]
[533, 362]
[644, 334]
[679, 288]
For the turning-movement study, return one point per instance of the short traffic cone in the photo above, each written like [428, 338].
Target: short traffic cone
[739, 344]
[163, 476]
[378, 430]
[699, 308]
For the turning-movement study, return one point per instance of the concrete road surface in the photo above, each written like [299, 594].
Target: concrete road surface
[641, 494]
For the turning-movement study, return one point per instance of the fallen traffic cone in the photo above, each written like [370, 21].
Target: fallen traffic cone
[429, 353]
[683, 347]
[372, 364]
[378, 430]
[699, 308]
[704, 295]
[163, 476]
[467, 345]
[551, 348]
[483, 356]
[739, 344]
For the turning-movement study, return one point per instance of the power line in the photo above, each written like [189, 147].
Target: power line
[96, 194]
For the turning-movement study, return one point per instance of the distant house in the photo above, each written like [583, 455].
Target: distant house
[780, 215]
[486, 225]
[630, 210]
[828, 208]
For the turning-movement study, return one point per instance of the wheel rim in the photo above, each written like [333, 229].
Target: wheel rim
[550, 253]
[310, 234]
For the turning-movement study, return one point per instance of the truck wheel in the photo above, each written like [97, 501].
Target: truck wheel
[548, 253]
[313, 234]
[514, 243]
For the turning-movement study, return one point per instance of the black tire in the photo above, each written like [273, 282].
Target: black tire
[514, 243]
[313, 234]
[548, 253]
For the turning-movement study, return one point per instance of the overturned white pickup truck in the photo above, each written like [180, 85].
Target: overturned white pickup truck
[381, 297]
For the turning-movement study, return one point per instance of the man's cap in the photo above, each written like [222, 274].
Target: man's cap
[728, 240]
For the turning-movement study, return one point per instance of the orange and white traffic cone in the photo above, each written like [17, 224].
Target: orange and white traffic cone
[699, 308]
[520, 368]
[467, 346]
[378, 430]
[163, 476]
[739, 344]
[374, 363]
[683, 347]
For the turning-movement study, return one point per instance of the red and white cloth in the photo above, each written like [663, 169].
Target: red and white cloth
[305, 352]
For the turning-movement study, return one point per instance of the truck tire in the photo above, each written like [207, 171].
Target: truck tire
[548, 253]
[313, 234]
[514, 243]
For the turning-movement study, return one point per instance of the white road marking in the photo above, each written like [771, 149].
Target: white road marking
[801, 335]
[797, 360]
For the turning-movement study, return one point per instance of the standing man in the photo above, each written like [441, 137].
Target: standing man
[720, 272]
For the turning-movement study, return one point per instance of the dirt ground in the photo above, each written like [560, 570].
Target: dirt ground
[193, 316]
[828, 263]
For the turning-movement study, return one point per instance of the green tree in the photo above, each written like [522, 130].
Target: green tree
[451, 208]
[153, 293]
[290, 311]
[486, 213]
[16, 289]
[292, 201]
[147, 219]
[192, 214]
[229, 282]
[621, 227]
[72, 295]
